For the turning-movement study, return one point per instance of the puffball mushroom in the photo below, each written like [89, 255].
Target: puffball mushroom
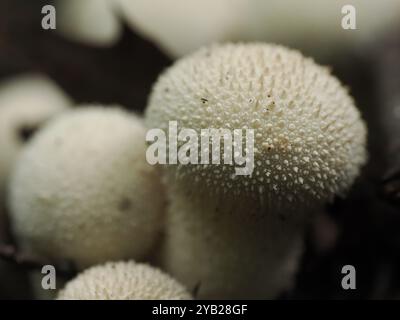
[181, 26]
[26, 103]
[123, 281]
[91, 21]
[169, 23]
[239, 236]
[82, 190]
[316, 26]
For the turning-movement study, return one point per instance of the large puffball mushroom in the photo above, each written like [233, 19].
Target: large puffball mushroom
[239, 236]
[90, 21]
[309, 138]
[26, 103]
[82, 190]
[123, 281]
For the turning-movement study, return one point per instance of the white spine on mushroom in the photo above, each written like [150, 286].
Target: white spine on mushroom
[83, 191]
[239, 236]
[123, 281]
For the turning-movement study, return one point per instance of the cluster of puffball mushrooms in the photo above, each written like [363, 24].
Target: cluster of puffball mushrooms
[179, 27]
[82, 191]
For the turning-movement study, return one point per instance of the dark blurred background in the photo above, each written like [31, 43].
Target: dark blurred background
[361, 230]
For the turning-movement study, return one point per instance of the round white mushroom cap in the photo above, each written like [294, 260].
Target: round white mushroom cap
[26, 103]
[316, 26]
[168, 23]
[83, 191]
[181, 26]
[310, 141]
[90, 21]
[123, 281]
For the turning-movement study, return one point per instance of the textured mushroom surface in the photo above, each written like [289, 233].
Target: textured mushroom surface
[83, 191]
[26, 103]
[309, 138]
[240, 236]
[123, 281]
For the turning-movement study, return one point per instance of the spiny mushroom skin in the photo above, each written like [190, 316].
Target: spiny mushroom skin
[309, 145]
[123, 281]
[83, 191]
[309, 138]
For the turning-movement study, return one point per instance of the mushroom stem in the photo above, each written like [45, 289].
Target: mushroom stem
[230, 250]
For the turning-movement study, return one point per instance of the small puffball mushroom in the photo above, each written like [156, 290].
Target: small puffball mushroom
[317, 26]
[82, 190]
[181, 26]
[90, 21]
[26, 103]
[123, 281]
[239, 236]
[168, 23]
